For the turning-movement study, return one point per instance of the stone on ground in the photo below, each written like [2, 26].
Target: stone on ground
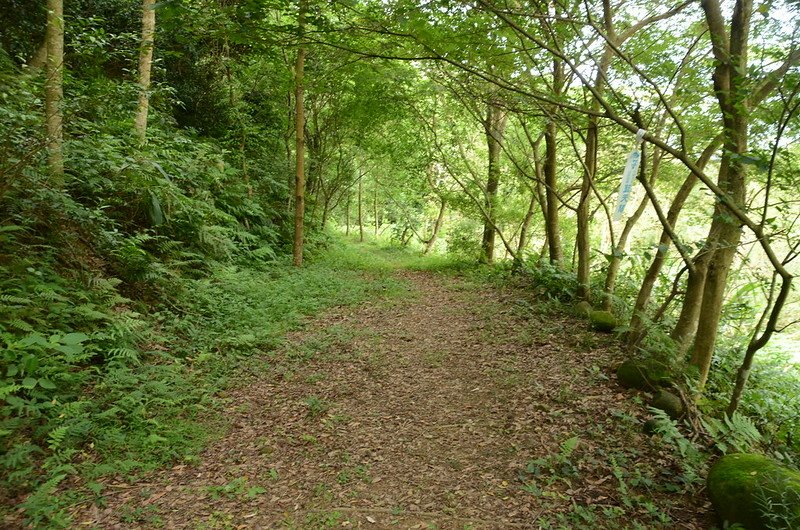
[669, 403]
[602, 321]
[755, 492]
[641, 375]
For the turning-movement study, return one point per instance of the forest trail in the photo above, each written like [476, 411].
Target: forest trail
[455, 406]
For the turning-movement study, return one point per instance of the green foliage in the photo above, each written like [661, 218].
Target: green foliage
[692, 458]
[736, 434]
[768, 403]
[552, 281]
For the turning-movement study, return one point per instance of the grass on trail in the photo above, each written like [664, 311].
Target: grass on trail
[164, 406]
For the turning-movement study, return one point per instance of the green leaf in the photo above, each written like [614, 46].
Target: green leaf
[255, 490]
[46, 383]
[70, 349]
[29, 382]
[74, 338]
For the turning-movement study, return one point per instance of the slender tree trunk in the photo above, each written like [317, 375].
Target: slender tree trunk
[54, 91]
[360, 212]
[543, 250]
[145, 67]
[686, 326]
[325, 208]
[287, 144]
[347, 217]
[375, 208]
[730, 84]
[526, 224]
[436, 227]
[771, 314]
[300, 177]
[554, 247]
[494, 126]
[582, 238]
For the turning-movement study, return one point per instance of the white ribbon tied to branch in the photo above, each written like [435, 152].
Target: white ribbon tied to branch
[631, 167]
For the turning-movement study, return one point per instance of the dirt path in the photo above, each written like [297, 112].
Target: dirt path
[453, 407]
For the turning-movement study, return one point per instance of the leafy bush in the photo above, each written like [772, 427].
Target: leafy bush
[551, 281]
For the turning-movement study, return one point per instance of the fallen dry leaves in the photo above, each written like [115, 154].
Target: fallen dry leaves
[410, 413]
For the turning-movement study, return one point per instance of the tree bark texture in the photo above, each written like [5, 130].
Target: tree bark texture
[554, 247]
[54, 91]
[522, 243]
[730, 85]
[145, 67]
[360, 211]
[436, 226]
[494, 127]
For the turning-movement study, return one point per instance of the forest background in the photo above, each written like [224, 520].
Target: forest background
[157, 156]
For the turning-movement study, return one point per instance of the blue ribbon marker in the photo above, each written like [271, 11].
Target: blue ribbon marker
[631, 167]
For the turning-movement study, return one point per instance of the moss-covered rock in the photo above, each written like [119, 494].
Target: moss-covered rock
[755, 492]
[669, 403]
[582, 309]
[648, 375]
[602, 321]
[651, 426]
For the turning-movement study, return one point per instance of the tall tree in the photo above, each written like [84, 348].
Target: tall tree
[54, 90]
[494, 127]
[555, 250]
[145, 67]
[730, 48]
[300, 176]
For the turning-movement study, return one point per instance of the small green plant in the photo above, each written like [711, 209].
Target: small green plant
[735, 434]
[692, 459]
[236, 488]
[551, 468]
[316, 406]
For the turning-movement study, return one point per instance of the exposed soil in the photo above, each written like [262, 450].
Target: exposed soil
[453, 407]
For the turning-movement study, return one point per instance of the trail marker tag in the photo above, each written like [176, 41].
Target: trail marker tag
[631, 167]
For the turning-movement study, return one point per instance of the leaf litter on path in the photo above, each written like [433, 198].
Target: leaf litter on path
[445, 409]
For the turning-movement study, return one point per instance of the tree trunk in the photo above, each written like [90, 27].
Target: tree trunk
[300, 177]
[325, 209]
[730, 83]
[526, 225]
[54, 91]
[145, 64]
[375, 208]
[287, 144]
[347, 216]
[360, 212]
[554, 248]
[436, 227]
[494, 127]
